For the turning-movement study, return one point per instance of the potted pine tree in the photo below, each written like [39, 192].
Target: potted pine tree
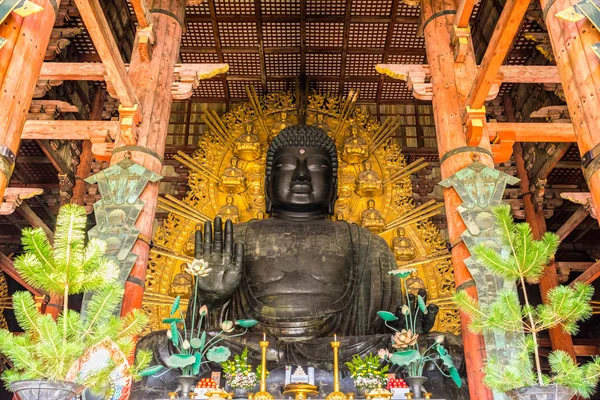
[48, 350]
[522, 377]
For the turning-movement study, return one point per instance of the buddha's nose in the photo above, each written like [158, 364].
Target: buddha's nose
[301, 174]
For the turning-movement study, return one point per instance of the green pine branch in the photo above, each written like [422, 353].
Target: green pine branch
[47, 349]
[565, 306]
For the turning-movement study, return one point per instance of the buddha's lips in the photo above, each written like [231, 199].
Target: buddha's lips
[301, 188]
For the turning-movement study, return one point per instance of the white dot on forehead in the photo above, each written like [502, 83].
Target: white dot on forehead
[301, 151]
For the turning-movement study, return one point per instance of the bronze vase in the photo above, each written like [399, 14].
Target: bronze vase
[187, 384]
[416, 385]
[547, 392]
[46, 390]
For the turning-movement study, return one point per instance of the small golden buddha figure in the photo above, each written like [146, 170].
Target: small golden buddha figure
[247, 145]
[320, 123]
[404, 248]
[182, 284]
[233, 179]
[414, 283]
[229, 211]
[278, 125]
[372, 219]
[368, 183]
[355, 149]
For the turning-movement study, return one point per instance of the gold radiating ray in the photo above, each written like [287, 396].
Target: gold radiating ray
[169, 253]
[595, 306]
[194, 165]
[161, 299]
[411, 168]
[384, 132]
[255, 102]
[346, 111]
[216, 125]
[170, 203]
[420, 213]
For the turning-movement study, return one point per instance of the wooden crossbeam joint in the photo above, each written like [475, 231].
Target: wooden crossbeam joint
[146, 40]
[502, 146]
[474, 122]
[130, 117]
[460, 42]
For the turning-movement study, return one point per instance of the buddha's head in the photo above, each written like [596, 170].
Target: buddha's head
[229, 200]
[301, 174]
[401, 232]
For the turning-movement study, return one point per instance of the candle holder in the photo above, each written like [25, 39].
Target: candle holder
[263, 394]
[336, 394]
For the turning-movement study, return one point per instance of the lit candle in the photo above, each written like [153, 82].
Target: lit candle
[334, 337]
[336, 394]
[263, 394]
[264, 336]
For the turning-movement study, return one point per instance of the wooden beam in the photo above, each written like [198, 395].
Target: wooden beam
[66, 71]
[142, 13]
[534, 131]
[506, 73]
[54, 158]
[589, 275]
[573, 222]
[96, 131]
[551, 162]
[8, 267]
[463, 13]
[36, 222]
[502, 38]
[94, 20]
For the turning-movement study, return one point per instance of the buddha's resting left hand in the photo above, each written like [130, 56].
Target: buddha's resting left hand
[225, 261]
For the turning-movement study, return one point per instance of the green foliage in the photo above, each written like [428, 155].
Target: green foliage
[239, 364]
[367, 366]
[565, 306]
[47, 349]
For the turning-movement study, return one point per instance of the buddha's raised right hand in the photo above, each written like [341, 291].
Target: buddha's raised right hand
[225, 260]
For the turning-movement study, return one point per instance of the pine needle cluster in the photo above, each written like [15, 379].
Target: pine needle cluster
[565, 306]
[47, 349]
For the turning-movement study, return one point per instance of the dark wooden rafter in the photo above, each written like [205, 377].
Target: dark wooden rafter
[551, 162]
[589, 275]
[261, 45]
[386, 54]
[218, 48]
[8, 267]
[34, 220]
[573, 222]
[346, 39]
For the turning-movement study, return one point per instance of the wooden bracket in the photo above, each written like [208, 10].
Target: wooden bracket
[583, 198]
[474, 121]
[13, 198]
[188, 76]
[502, 146]
[103, 151]
[130, 117]
[459, 38]
[146, 40]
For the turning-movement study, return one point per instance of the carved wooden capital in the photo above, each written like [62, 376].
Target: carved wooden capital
[130, 117]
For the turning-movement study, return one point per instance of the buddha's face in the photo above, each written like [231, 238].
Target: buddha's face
[301, 180]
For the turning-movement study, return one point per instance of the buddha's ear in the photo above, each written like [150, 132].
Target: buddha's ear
[268, 203]
[331, 206]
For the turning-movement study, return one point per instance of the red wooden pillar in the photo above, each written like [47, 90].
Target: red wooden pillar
[451, 82]
[152, 81]
[579, 70]
[20, 64]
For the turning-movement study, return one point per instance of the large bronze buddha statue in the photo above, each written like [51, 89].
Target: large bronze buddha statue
[302, 275]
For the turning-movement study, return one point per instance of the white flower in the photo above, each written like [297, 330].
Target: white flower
[227, 326]
[185, 345]
[439, 339]
[169, 334]
[199, 267]
[405, 310]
